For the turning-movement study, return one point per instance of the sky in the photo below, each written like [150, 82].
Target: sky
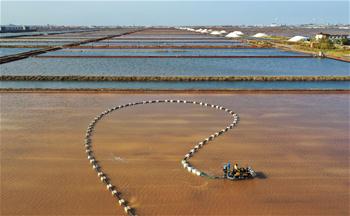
[173, 13]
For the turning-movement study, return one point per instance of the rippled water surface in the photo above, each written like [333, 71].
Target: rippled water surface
[166, 43]
[177, 85]
[172, 52]
[12, 51]
[289, 138]
[33, 43]
[177, 67]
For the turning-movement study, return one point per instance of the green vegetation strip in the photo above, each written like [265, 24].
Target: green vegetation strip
[173, 78]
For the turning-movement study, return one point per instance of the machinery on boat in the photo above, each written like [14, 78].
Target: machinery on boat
[237, 173]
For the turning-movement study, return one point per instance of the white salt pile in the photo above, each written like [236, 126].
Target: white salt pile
[215, 33]
[260, 35]
[232, 35]
[238, 33]
[298, 38]
[184, 28]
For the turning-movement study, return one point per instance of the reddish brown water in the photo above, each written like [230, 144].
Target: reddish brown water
[299, 141]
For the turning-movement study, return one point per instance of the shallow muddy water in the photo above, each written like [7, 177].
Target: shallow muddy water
[299, 142]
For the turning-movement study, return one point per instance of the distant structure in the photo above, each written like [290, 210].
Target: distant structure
[274, 25]
[16, 28]
[321, 36]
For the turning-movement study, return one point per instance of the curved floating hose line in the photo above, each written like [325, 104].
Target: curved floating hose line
[185, 161]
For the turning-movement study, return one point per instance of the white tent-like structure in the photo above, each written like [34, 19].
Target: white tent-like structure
[232, 35]
[260, 35]
[298, 38]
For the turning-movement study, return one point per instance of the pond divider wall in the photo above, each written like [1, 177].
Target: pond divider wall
[173, 79]
[175, 91]
[174, 56]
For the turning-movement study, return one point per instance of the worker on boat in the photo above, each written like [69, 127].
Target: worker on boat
[225, 170]
[229, 165]
[229, 168]
[235, 167]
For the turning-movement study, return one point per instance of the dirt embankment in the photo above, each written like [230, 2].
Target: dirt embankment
[173, 78]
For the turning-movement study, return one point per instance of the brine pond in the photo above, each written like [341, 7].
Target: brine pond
[34, 43]
[300, 85]
[172, 52]
[12, 51]
[177, 67]
[164, 43]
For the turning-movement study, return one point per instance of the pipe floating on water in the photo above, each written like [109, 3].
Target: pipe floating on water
[186, 165]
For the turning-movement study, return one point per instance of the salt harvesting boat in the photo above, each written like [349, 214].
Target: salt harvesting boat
[237, 173]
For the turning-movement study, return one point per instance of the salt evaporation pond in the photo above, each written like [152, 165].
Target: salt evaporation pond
[18, 34]
[21, 34]
[172, 52]
[35, 43]
[169, 43]
[120, 40]
[12, 51]
[170, 36]
[38, 39]
[177, 67]
[177, 85]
